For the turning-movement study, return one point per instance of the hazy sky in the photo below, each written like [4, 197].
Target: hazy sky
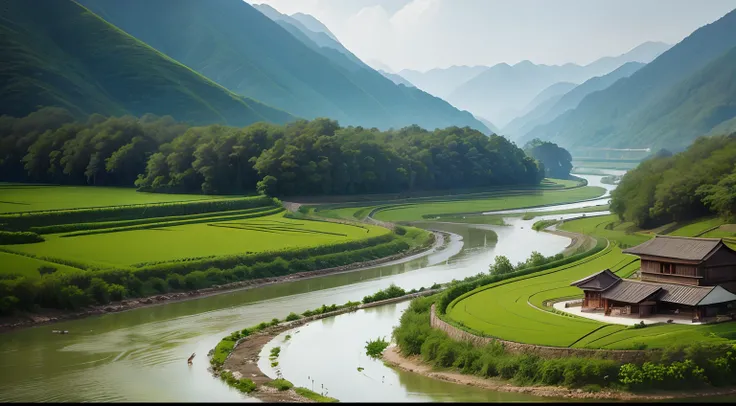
[425, 34]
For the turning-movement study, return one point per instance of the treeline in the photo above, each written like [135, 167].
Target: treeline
[557, 161]
[302, 158]
[696, 182]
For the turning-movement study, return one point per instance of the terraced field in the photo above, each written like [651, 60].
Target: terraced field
[23, 197]
[420, 211]
[27, 266]
[209, 237]
[517, 309]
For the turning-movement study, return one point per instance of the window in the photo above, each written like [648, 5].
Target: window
[668, 269]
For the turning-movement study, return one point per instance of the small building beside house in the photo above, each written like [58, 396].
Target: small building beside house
[683, 277]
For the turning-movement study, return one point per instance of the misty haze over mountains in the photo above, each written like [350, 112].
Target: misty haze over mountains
[252, 62]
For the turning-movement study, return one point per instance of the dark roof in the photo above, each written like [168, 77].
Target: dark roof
[717, 295]
[630, 291]
[685, 248]
[598, 281]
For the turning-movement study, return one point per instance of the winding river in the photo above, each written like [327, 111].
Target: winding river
[139, 355]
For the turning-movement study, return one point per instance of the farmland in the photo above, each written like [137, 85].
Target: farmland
[21, 197]
[517, 309]
[216, 238]
[424, 210]
[61, 256]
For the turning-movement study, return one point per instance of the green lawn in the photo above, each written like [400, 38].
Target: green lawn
[698, 227]
[416, 211]
[622, 233]
[268, 233]
[22, 265]
[17, 198]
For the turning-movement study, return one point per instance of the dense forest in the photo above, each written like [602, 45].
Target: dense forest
[665, 188]
[301, 158]
[557, 161]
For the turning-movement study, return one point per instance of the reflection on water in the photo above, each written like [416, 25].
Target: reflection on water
[331, 366]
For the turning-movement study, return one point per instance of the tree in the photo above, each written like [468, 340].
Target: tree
[557, 161]
[502, 265]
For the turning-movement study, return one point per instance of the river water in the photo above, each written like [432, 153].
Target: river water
[139, 355]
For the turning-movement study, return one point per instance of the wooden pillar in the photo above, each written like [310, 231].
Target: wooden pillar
[605, 306]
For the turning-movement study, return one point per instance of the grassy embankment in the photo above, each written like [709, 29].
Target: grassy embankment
[456, 206]
[518, 302]
[94, 254]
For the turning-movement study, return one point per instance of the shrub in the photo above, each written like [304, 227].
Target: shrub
[292, 316]
[98, 290]
[375, 348]
[159, 285]
[281, 384]
[22, 237]
[45, 270]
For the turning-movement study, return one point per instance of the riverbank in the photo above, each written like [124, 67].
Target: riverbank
[51, 316]
[242, 362]
[413, 364]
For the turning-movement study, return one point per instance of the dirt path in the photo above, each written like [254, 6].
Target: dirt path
[50, 316]
[414, 364]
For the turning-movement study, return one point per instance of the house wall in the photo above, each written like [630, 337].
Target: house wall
[651, 270]
[647, 277]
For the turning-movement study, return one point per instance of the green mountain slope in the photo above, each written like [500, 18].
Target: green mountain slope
[545, 113]
[63, 55]
[240, 48]
[626, 114]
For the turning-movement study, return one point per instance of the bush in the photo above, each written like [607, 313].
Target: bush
[159, 285]
[281, 384]
[292, 316]
[45, 270]
[391, 292]
[98, 290]
[23, 237]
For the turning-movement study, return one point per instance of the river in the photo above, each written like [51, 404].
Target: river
[139, 355]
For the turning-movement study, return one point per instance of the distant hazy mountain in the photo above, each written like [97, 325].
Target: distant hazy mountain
[553, 108]
[490, 125]
[684, 93]
[501, 92]
[239, 47]
[399, 80]
[63, 55]
[441, 82]
[313, 24]
[378, 65]
[644, 53]
[549, 95]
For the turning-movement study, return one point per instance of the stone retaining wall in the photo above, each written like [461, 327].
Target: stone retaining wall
[455, 333]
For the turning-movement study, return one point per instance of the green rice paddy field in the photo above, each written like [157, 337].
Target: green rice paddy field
[515, 309]
[19, 198]
[216, 238]
[418, 211]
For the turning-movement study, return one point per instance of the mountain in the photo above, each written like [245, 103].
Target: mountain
[396, 78]
[63, 55]
[441, 82]
[553, 108]
[237, 46]
[378, 65]
[643, 53]
[313, 24]
[549, 95]
[682, 94]
[501, 92]
[490, 125]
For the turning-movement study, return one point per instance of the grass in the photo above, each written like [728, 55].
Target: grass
[592, 209]
[314, 396]
[515, 309]
[608, 227]
[419, 211]
[270, 233]
[16, 198]
[696, 228]
[19, 264]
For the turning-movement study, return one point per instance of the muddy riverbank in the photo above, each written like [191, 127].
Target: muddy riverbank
[50, 316]
[243, 360]
[414, 364]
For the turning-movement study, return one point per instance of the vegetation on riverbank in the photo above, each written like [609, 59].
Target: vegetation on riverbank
[695, 183]
[679, 365]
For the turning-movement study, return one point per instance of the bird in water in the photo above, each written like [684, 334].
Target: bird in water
[189, 361]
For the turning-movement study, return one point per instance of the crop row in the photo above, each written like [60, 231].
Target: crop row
[24, 221]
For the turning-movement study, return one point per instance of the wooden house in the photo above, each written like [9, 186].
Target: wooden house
[690, 277]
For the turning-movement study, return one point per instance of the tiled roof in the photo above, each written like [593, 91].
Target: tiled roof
[598, 281]
[630, 291]
[685, 248]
